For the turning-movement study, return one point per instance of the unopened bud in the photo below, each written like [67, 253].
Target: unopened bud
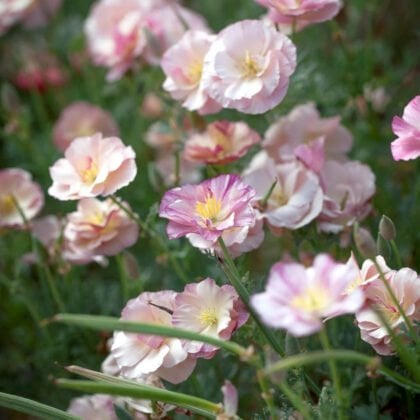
[387, 228]
[365, 243]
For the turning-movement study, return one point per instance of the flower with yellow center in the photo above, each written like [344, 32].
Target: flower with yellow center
[89, 175]
[250, 67]
[194, 72]
[7, 204]
[208, 317]
[210, 209]
[313, 299]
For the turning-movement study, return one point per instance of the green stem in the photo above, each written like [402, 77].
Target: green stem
[396, 253]
[341, 355]
[153, 235]
[395, 300]
[123, 278]
[235, 278]
[267, 393]
[138, 391]
[106, 323]
[295, 400]
[334, 373]
[39, 260]
[267, 196]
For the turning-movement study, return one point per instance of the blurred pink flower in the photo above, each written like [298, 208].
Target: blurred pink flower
[230, 402]
[17, 185]
[166, 24]
[40, 12]
[297, 197]
[405, 284]
[209, 209]
[183, 65]
[11, 11]
[301, 13]
[208, 309]
[222, 142]
[93, 407]
[99, 228]
[303, 134]
[348, 188]
[92, 166]
[82, 119]
[115, 34]
[298, 299]
[248, 67]
[162, 137]
[407, 128]
[138, 354]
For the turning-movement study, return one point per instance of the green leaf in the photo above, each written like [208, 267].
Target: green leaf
[121, 413]
[145, 392]
[106, 323]
[34, 408]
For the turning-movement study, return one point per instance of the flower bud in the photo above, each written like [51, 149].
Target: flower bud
[387, 228]
[365, 243]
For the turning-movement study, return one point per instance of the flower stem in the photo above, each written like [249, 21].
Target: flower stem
[236, 280]
[295, 400]
[396, 253]
[334, 373]
[40, 264]
[267, 393]
[123, 278]
[395, 300]
[153, 235]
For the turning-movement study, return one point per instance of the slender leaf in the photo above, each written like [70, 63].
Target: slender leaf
[34, 408]
[112, 324]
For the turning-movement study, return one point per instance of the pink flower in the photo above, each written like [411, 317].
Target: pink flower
[92, 407]
[11, 11]
[303, 134]
[162, 137]
[138, 354]
[301, 12]
[209, 209]
[222, 142]
[210, 310]
[248, 67]
[348, 188]
[230, 402]
[298, 299]
[297, 197]
[92, 166]
[82, 119]
[99, 228]
[115, 34]
[165, 25]
[16, 185]
[183, 67]
[405, 284]
[407, 128]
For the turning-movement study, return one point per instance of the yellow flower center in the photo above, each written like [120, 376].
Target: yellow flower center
[210, 209]
[313, 299]
[278, 198]
[7, 204]
[89, 175]
[97, 218]
[194, 72]
[208, 317]
[250, 67]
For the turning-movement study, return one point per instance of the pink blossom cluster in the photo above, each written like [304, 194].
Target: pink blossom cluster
[299, 299]
[304, 162]
[405, 285]
[292, 15]
[203, 307]
[247, 67]
[32, 13]
[218, 208]
[407, 128]
[122, 34]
